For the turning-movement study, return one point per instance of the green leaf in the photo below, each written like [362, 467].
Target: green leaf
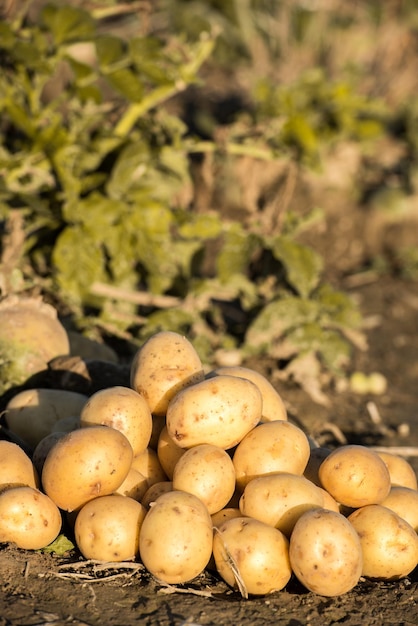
[207, 226]
[110, 50]
[68, 23]
[302, 264]
[127, 83]
[236, 251]
[331, 346]
[130, 167]
[60, 546]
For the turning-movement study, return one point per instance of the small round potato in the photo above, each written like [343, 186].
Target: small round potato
[107, 528]
[164, 364]
[273, 405]
[28, 518]
[404, 501]
[355, 476]
[175, 541]
[225, 514]
[31, 414]
[325, 553]
[155, 491]
[87, 463]
[218, 411]
[148, 463]
[208, 472]
[16, 468]
[277, 446]
[280, 499]
[401, 472]
[389, 544]
[134, 486]
[251, 556]
[121, 408]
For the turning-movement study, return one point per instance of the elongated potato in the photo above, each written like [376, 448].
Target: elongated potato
[175, 541]
[85, 464]
[218, 411]
[32, 413]
[166, 363]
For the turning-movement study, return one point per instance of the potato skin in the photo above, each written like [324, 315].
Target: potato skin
[175, 541]
[107, 528]
[218, 411]
[121, 408]
[389, 544]
[32, 413]
[85, 464]
[166, 363]
[28, 518]
[355, 476]
[325, 553]
[16, 467]
[260, 553]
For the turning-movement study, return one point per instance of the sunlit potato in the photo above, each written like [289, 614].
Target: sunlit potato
[16, 467]
[400, 470]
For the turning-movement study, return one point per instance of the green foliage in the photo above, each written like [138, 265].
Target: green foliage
[97, 165]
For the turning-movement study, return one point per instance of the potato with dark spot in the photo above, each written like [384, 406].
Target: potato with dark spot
[218, 411]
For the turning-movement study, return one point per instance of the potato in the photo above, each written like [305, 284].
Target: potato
[401, 472]
[42, 450]
[325, 553]
[155, 491]
[164, 364]
[273, 405]
[28, 518]
[16, 468]
[225, 514]
[32, 413]
[404, 502]
[316, 456]
[277, 446]
[389, 544]
[280, 499]
[148, 463]
[175, 541]
[355, 476]
[208, 472]
[134, 486]
[84, 464]
[30, 336]
[107, 528]
[251, 556]
[121, 408]
[168, 453]
[218, 411]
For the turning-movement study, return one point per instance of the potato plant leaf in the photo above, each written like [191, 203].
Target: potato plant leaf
[303, 265]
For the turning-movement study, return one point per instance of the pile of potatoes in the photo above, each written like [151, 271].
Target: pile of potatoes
[186, 470]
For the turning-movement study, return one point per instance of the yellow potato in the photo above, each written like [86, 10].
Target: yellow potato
[165, 364]
[280, 499]
[389, 544]
[107, 528]
[33, 413]
[404, 502]
[175, 541]
[134, 486]
[87, 463]
[148, 463]
[273, 405]
[355, 476]
[168, 453]
[16, 468]
[218, 411]
[325, 553]
[42, 450]
[155, 491]
[251, 556]
[270, 447]
[401, 472]
[121, 408]
[225, 514]
[28, 518]
[206, 471]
